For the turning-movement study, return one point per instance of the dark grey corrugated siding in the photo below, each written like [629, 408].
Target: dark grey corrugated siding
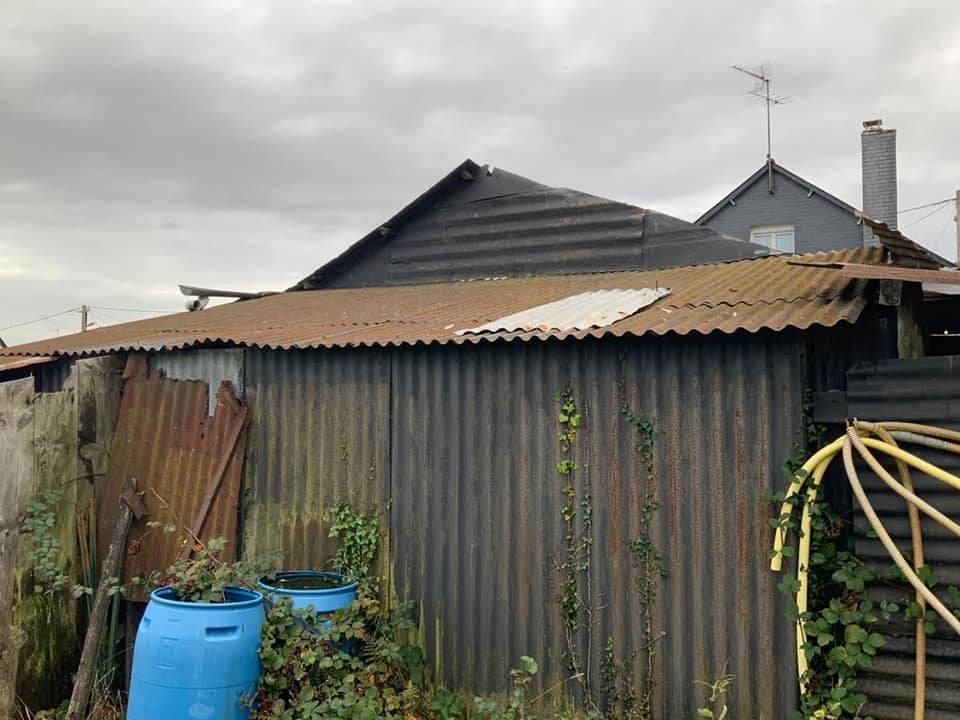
[52, 376]
[318, 434]
[925, 390]
[476, 512]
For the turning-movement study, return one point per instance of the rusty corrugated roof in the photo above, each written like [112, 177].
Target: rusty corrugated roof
[765, 293]
[16, 363]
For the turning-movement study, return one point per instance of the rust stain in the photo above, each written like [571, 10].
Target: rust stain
[165, 441]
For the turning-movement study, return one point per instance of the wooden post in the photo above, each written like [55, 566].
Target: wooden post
[910, 340]
[16, 471]
[98, 616]
[956, 220]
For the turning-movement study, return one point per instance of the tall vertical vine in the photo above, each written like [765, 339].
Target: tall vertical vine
[574, 563]
[644, 554]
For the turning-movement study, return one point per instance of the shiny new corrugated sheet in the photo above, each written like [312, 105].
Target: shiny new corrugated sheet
[319, 434]
[766, 293]
[591, 309]
[476, 514]
[166, 441]
[924, 390]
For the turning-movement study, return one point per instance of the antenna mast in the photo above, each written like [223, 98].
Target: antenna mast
[762, 92]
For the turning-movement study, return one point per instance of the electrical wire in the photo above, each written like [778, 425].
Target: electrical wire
[921, 207]
[40, 319]
[133, 310]
[929, 214]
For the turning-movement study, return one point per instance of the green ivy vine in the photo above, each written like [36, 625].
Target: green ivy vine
[645, 556]
[359, 536]
[43, 557]
[574, 564]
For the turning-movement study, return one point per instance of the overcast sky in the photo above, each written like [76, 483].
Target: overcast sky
[242, 144]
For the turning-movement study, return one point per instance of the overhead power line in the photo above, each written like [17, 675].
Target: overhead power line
[921, 207]
[134, 310]
[39, 319]
[937, 209]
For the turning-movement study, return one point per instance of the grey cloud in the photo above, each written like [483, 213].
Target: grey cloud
[243, 143]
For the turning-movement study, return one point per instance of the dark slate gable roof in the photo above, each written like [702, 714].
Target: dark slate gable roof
[762, 173]
[479, 222]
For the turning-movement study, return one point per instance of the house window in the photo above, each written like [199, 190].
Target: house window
[775, 237]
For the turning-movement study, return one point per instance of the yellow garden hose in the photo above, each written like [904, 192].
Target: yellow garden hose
[815, 468]
[916, 540]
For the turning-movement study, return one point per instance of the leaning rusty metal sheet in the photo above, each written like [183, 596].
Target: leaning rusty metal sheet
[167, 442]
[751, 295]
[890, 272]
[597, 308]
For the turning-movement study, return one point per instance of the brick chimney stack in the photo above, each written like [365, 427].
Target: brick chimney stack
[878, 155]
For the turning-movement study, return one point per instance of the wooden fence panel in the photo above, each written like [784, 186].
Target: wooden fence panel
[16, 470]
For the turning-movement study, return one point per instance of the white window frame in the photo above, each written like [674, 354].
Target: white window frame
[773, 231]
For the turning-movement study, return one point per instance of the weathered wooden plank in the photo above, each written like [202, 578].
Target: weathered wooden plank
[49, 621]
[98, 616]
[16, 470]
[71, 431]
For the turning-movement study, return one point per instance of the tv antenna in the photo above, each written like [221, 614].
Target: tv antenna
[761, 91]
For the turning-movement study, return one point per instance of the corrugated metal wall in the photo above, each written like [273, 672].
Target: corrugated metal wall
[51, 377]
[476, 514]
[319, 433]
[925, 390]
[211, 366]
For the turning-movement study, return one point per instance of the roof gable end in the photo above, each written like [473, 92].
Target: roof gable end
[759, 176]
[480, 222]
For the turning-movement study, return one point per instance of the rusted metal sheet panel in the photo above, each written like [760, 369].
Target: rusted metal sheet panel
[15, 363]
[923, 390]
[905, 251]
[476, 513]
[319, 434]
[167, 442]
[211, 366]
[752, 295]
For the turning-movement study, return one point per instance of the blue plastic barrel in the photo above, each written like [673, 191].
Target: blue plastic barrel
[324, 600]
[196, 661]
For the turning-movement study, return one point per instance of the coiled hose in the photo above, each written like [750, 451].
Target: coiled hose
[864, 437]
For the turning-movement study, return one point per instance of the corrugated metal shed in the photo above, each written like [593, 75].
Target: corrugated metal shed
[767, 293]
[924, 390]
